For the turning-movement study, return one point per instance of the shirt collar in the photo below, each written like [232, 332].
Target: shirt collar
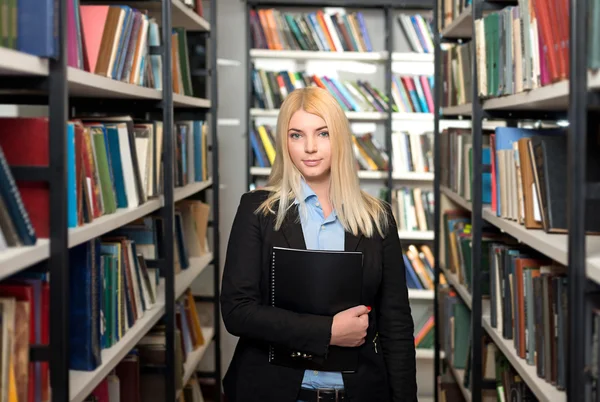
[305, 191]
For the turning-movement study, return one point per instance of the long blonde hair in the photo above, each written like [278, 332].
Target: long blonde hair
[356, 210]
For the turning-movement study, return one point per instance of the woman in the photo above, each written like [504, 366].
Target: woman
[313, 201]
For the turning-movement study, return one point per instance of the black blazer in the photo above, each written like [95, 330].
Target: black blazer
[386, 363]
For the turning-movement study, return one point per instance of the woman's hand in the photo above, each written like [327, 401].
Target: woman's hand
[349, 327]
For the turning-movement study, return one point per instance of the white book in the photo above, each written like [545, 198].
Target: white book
[127, 165]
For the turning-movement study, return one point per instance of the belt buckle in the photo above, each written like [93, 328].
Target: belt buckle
[337, 394]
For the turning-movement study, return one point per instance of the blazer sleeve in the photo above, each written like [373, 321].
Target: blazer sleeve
[395, 322]
[244, 313]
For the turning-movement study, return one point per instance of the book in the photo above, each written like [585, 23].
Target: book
[307, 282]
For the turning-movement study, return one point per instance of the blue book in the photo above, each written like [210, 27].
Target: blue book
[256, 148]
[84, 338]
[124, 40]
[312, 17]
[198, 162]
[421, 95]
[346, 94]
[115, 155]
[412, 281]
[363, 29]
[14, 204]
[71, 179]
[37, 35]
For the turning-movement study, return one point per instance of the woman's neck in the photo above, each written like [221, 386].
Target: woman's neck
[321, 189]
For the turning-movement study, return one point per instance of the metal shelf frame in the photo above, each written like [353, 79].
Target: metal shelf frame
[576, 101]
[62, 103]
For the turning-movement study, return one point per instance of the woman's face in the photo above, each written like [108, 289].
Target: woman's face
[309, 146]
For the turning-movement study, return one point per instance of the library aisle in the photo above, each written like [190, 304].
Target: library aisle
[108, 214]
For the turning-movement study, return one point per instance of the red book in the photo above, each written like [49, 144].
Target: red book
[25, 141]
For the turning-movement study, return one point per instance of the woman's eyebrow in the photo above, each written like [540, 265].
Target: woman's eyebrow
[297, 129]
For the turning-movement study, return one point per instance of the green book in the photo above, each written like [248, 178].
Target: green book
[462, 326]
[106, 184]
[184, 61]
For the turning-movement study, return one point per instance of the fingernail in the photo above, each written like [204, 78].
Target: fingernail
[369, 308]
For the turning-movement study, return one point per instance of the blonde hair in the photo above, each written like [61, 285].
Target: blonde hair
[356, 210]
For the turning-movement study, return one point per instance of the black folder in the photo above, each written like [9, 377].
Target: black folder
[315, 282]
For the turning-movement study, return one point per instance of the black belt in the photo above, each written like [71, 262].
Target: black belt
[321, 395]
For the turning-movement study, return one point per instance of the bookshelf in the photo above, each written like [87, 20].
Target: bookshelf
[68, 92]
[572, 99]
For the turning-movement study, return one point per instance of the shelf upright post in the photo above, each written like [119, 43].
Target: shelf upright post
[476, 219]
[437, 60]
[58, 103]
[168, 210]
[576, 191]
[214, 103]
[389, 47]
[249, 102]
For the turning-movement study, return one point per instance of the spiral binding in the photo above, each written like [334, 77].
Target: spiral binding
[271, 348]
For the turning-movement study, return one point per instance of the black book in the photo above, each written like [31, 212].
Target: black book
[321, 283]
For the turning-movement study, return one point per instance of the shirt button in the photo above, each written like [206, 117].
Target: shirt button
[317, 204]
[316, 372]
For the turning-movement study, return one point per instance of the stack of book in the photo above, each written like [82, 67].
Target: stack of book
[417, 30]
[412, 152]
[524, 47]
[271, 88]
[112, 163]
[456, 75]
[456, 152]
[413, 209]
[413, 94]
[424, 333]
[528, 305]
[132, 379]
[419, 264]
[316, 31]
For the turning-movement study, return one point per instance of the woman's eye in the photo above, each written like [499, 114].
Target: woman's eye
[295, 135]
[324, 134]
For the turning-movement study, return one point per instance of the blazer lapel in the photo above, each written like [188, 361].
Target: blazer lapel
[351, 242]
[292, 229]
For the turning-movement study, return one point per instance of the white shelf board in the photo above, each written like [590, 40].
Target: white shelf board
[181, 193]
[544, 391]
[317, 55]
[190, 101]
[23, 111]
[194, 358]
[420, 294]
[260, 171]
[366, 116]
[460, 110]
[13, 62]
[554, 246]
[416, 235]
[550, 97]
[187, 276]
[82, 383]
[109, 222]
[83, 83]
[15, 259]
[424, 354]
[181, 15]
[412, 57]
[412, 117]
[462, 291]
[459, 375]
[413, 176]
[456, 198]
[461, 27]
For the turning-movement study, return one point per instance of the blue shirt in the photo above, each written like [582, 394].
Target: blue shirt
[320, 233]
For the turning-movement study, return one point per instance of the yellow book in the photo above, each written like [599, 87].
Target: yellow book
[12, 382]
[195, 320]
[269, 149]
